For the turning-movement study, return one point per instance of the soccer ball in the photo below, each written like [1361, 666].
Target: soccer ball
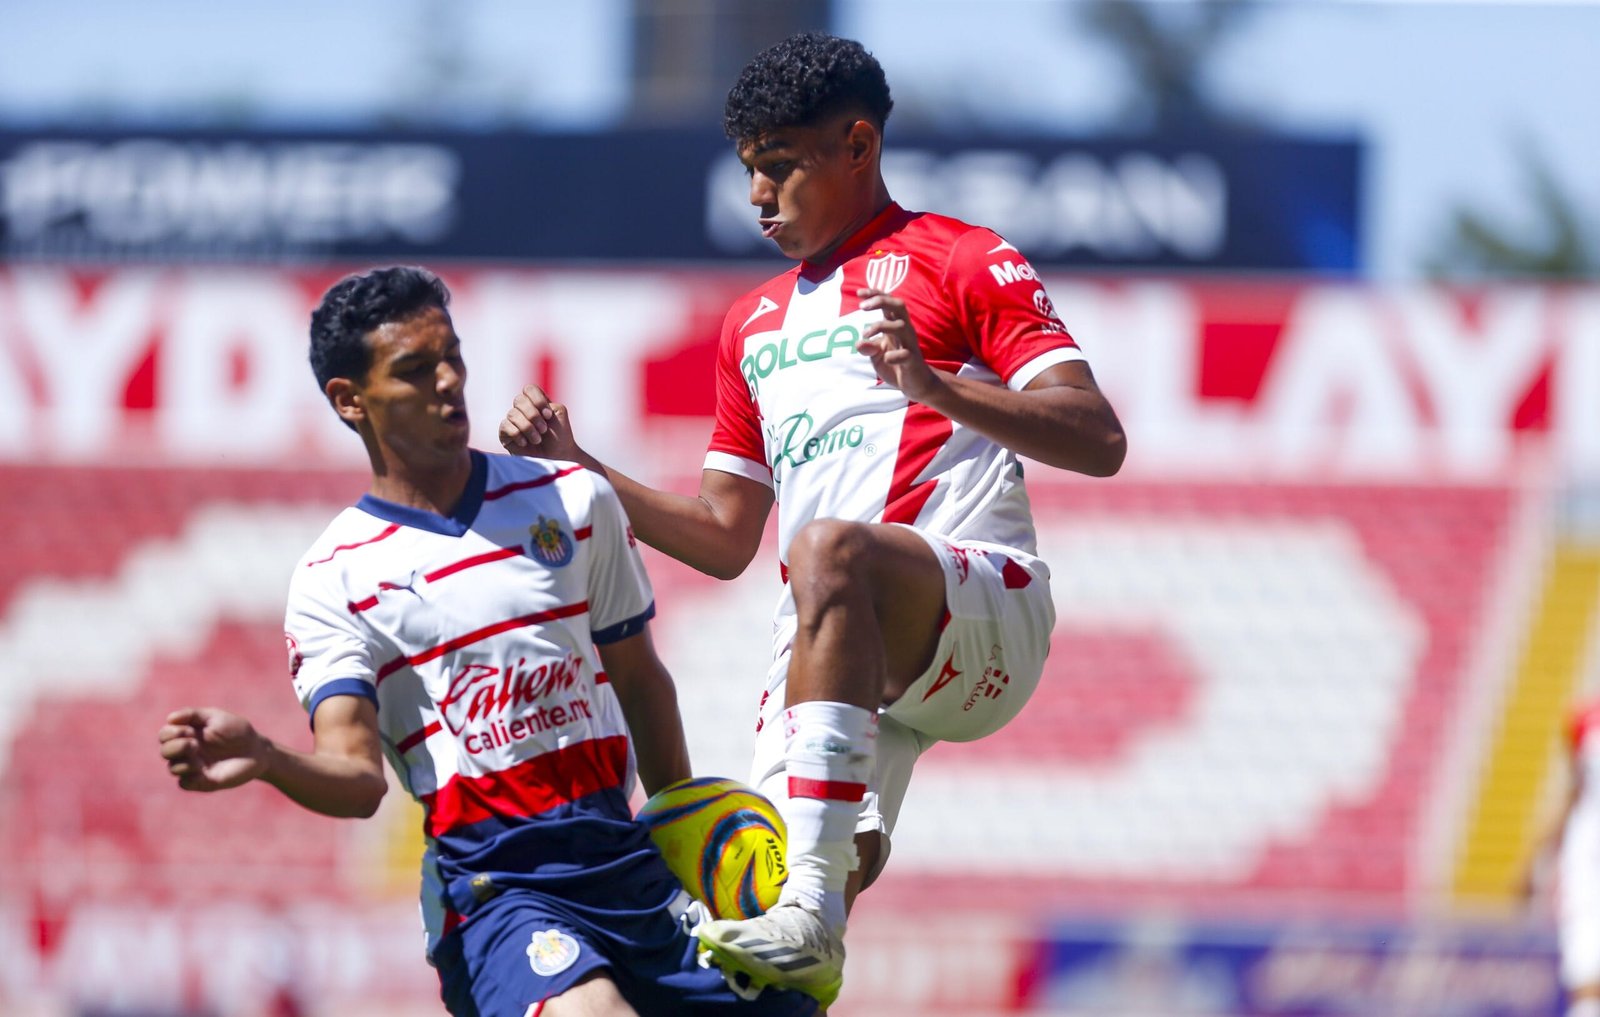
[723, 840]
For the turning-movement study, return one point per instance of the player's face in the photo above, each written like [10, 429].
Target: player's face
[807, 187]
[414, 394]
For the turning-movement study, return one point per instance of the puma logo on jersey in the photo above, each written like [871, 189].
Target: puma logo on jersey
[767, 305]
[386, 586]
[1001, 246]
[409, 586]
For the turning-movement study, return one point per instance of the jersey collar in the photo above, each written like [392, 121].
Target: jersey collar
[890, 219]
[453, 525]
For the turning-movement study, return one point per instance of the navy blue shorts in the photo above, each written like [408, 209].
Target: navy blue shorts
[523, 947]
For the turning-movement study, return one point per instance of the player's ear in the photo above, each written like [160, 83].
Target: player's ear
[346, 399]
[861, 142]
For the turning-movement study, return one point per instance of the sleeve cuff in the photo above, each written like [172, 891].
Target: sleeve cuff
[625, 628]
[339, 687]
[1038, 365]
[739, 466]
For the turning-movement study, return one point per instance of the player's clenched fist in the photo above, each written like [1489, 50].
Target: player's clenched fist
[211, 750]
[536, 425]
[892, 345]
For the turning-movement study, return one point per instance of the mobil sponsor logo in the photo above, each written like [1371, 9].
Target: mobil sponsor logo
[490, 705]
[783, 352]
[1008, 272]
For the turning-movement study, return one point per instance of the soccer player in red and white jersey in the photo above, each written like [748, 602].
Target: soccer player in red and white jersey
[1573, 840]
[880, 392]
[482, 622]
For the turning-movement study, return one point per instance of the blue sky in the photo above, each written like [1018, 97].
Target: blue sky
[1449, 96]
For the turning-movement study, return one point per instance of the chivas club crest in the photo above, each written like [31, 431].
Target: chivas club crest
[551, 952]
[887, 271]
[551, 544]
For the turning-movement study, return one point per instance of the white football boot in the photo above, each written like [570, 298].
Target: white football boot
[789, 947]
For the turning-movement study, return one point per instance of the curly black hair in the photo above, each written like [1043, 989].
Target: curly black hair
[359, 303]
[803, 80]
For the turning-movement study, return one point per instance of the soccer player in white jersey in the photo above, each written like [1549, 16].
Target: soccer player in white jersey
[482, 622]
[1573, 841]
[880, 392]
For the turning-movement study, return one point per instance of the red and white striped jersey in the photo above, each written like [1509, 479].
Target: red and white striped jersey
[799, 409]
[1578, 882]
[1583, 735]
[476, 636]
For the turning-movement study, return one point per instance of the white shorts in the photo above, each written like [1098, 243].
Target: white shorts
[1578, 899]
[987, 664]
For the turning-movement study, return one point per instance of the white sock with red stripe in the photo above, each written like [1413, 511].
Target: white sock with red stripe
[829, 752]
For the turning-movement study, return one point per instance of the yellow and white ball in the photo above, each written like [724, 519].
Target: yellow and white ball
[723, 840]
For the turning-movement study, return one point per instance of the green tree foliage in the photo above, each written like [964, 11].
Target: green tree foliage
[1551, 241]
[1167, 48]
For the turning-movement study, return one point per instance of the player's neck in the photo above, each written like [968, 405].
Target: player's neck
[869, 211]
[437, 489]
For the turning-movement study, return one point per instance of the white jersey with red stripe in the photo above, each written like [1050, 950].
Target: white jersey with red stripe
[1578, 902]
[1583, 736]
[476, 637]
[800, 410]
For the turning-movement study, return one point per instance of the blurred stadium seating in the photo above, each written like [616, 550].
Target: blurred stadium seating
[1314, 646]
[1312, 653]
[1264, 704]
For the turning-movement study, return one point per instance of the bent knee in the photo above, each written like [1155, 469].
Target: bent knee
[828, 548]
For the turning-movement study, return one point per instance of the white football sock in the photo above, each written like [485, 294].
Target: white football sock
[829, 753]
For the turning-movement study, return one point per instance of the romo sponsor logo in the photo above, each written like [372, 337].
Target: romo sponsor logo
[551, 952]
[888, 271]
[793, 444]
